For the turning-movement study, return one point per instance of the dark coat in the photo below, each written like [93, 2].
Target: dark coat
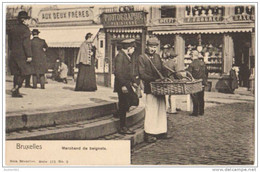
[39, 57]
[20, 46]
[198, 70]
[123, 72]
[147, 72]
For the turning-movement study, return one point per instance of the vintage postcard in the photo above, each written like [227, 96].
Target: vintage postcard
[127, 84]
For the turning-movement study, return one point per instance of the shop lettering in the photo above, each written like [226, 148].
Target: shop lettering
[65, 15]
[203, 19]
[167, 21]
[123, 19]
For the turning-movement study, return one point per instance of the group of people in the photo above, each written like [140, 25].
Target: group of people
[152, 67]
[27, 57]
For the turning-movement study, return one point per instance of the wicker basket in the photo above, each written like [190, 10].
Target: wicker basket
[176, 87]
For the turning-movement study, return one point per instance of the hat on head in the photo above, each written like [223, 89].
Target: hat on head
[35, 31]
[23, 15]
[153, 41]
[88, 35]
[128, 43]
[166, 46]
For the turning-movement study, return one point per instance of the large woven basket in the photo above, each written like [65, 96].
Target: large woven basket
[176, 87]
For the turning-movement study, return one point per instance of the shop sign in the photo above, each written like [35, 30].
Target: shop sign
[203, 19]
[124, 36]
[66, 15]
[136, 18]
[167, 21]
[243, 17]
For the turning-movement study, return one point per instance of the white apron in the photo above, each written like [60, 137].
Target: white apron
[155, 121]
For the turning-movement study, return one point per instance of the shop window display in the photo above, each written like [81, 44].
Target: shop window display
[210, 51]
[201, 11]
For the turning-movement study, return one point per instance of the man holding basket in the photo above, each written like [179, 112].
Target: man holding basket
[151, 69]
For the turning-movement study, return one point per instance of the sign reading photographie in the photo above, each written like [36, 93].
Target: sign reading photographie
[66, 15]
[136, 18]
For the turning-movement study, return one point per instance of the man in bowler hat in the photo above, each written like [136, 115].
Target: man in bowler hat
[39, 62]
[21, 52]
[124, 80]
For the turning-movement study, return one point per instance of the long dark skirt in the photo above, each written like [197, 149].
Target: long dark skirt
[86, 79]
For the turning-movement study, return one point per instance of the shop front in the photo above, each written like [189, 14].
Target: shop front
[64, 31]
[223, 39]
[119, 26]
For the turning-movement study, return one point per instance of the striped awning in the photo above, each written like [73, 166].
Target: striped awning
[208, 31]
[125, 30]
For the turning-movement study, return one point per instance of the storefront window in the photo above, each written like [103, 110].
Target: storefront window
[249, 10]
[209, 47]
[204, 14]
[168, 12]
[197, 11]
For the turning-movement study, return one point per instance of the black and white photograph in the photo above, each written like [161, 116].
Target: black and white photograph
[174, 82]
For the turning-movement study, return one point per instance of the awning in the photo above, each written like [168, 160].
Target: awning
[125, 30]
[208, 31]
[66, 37]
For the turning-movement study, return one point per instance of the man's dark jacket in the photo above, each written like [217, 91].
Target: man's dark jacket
[124, 74]
[20, 46]
[198, 70]
[39, 57]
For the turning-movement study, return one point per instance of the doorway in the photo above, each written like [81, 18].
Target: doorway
[242, 44]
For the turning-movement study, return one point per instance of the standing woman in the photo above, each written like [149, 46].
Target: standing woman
[39, 62]
[86, 79]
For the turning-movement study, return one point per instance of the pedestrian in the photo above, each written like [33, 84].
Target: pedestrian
[170, 62]
[63, 72]
[55, 72]
[155, 122]
[21, 52]
[233, 79]
[39, 62]
[198, 70]
[86, 79]
[125, 80]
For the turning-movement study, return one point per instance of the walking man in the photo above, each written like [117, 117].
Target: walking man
[198, 70]
[124, 80]
[21, 52]
[39, 62]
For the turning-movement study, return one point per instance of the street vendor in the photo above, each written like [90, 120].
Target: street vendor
[155, 122]
[170, 62]
[198, 70]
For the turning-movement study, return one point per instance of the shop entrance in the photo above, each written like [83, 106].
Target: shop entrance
[242, 44]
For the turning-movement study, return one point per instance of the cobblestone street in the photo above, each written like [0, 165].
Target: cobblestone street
[223, 136]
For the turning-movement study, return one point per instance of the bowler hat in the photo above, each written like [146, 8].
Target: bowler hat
[23, 15]
[128, 43]
[35, 31]
[153, 41]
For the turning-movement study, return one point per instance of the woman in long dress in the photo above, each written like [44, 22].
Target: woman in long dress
[86, 79]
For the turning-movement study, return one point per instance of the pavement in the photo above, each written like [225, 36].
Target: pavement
[223, 136]
[57, 95]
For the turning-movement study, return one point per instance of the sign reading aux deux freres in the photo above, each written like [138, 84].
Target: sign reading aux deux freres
[136, 18]
[66, 15]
